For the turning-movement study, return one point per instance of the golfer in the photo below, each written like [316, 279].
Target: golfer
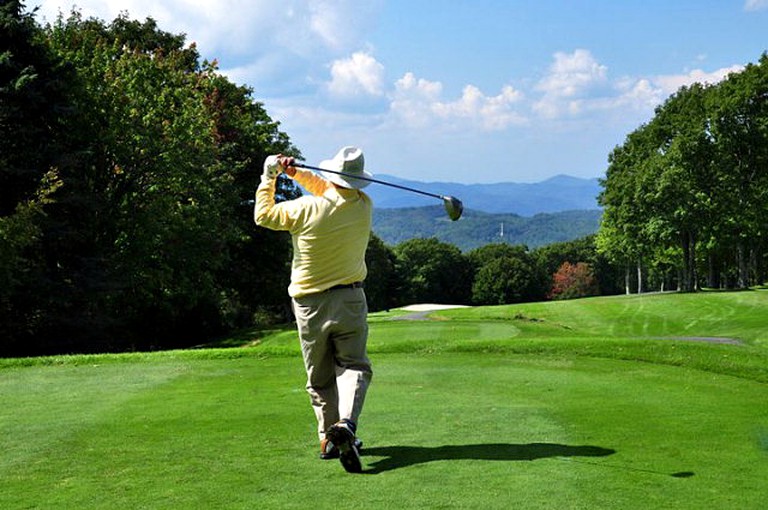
[330, 229]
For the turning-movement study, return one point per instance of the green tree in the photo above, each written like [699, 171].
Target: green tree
[506, 274]
[258, 272]
[622, 237]
[694, 199]
[433, 272]
[659, 187]
[383, 281]
[127, 172]
[35, 115]
[23, 294]
[172, 150]
[683, 181]
[739, 128]
[155, 170]
[33, 89]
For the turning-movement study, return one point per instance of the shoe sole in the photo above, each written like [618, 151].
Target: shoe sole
[349, 456]
[350, 460]
[335, 454]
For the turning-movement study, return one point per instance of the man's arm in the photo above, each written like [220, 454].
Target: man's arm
[265, 212]
[308, 180]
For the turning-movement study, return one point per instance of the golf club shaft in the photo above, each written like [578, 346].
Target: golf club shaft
[370, 179]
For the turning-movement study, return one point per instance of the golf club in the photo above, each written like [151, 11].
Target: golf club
[453, 205]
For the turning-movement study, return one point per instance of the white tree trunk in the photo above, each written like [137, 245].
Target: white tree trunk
[626, 280]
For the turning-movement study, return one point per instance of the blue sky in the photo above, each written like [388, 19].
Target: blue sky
[476, 91]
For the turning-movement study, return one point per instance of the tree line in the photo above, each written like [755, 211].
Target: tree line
[686, 196]
[126, 168]
[427, 270]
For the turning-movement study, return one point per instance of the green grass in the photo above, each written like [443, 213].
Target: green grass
[737, 315]
[570, 405]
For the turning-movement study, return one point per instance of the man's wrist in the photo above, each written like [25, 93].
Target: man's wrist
[268, 179]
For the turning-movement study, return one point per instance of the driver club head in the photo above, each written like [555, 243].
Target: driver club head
[453, 207]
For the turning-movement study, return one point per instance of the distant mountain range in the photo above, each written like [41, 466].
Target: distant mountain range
[478, 228]
[559, 209]
[557, 194]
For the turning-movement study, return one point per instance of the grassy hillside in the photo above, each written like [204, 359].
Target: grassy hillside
[741, 316]
[724, 332]
[721, 331]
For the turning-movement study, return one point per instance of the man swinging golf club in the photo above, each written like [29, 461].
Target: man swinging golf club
[330, 230]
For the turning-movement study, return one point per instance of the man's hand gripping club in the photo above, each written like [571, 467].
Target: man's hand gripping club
[276, 164]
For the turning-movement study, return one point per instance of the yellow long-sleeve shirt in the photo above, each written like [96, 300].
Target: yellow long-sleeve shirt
[329, 229]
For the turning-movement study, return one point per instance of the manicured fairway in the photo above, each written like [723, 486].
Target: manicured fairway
[477, 412]
[740, 315]
[448, 430]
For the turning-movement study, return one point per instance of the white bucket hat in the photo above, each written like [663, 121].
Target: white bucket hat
[349, 160]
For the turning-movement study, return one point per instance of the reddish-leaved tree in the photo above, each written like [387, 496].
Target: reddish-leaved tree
[574, 281]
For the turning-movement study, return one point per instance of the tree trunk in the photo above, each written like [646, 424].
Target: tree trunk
[692, 264]
[685, 281]
[639, 276]
[713, 276]
[688, 242]
[743, 281]
[626, 280]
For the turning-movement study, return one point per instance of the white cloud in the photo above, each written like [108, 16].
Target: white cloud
[755, 5]
[413, 98]
[490, 113]
[341, 24]
[292, 28]
[571, 76]
[278, 47]
[215, 25]
[644, 94]
[361, 74]
[578, 85]
[640, 94]
[671, 83]
[418, 103]
[572, 73]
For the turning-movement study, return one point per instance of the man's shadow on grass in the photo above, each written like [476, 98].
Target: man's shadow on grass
[403, 456]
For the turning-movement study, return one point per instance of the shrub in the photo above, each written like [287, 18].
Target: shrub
[574, 281]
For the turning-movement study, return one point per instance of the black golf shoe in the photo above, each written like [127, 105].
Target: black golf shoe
[342, 435]
[328, 450]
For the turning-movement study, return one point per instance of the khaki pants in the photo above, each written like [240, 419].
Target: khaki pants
[333, 331]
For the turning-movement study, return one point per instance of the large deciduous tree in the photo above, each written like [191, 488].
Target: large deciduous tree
[173, 159]
[383, 281]
[739, 126]
[433, 272]
[127, 174]
[35, 113]
[506, 274]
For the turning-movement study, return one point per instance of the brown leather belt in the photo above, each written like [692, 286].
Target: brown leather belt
[354, 285]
